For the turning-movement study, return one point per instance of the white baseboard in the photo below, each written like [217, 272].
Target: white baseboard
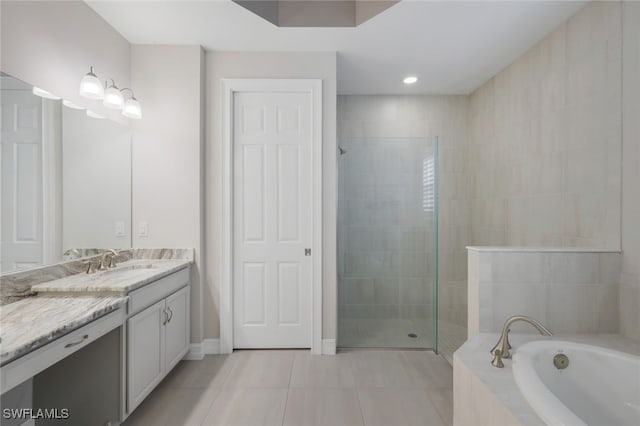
[328, 346]
[211, 346]
[197, 351]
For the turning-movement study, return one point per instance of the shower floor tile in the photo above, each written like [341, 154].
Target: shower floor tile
[385, 333]
[393, 333]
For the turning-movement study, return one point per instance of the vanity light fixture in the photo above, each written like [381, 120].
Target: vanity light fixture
[112, 96]
[94, 115]
[131, 107]
[70, 104]
[44, 94]
[410, 79]
[91, 87]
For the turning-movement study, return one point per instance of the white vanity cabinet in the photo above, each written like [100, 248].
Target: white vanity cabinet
[157, 333]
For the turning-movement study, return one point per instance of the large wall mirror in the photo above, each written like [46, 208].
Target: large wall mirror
[65, 180]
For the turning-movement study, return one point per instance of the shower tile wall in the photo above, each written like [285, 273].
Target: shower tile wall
[386, 241]
[379, 116]
[546, 136]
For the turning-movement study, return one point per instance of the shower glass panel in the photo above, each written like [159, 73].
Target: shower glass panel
[387, 242]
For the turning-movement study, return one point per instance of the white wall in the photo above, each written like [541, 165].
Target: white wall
[546, 138]
[167, 156]
[96, 182]
[630, 280]
[320, 65]
[428, 116]
[51, 44]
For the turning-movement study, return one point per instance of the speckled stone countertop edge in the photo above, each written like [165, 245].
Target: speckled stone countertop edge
[68, 320]
[94, 287]
[16, 285]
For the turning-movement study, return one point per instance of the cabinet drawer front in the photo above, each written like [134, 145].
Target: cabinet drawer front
[33, 363]
[145, 359]
[157, 290]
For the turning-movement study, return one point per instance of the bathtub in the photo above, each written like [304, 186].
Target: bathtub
[599, 387]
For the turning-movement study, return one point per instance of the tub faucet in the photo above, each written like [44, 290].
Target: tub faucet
[501, 350]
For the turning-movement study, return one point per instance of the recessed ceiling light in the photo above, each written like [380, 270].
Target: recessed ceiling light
[410, 80]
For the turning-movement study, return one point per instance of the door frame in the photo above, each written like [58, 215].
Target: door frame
[228, 88]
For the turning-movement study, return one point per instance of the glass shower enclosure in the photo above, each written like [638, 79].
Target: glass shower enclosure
[387, 243]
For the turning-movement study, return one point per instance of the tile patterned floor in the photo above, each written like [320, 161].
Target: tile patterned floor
[294, 388]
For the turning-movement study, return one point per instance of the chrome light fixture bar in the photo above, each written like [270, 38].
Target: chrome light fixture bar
[112, 97]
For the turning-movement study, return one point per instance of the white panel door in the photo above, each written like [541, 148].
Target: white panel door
[21, 122]
[272, 136]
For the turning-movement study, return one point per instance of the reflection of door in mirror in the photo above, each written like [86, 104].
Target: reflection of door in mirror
[22, 189]
[65, 180]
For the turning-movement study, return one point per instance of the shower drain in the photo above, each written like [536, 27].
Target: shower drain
[412, 335]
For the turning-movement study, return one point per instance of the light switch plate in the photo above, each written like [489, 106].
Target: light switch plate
[143, 229]
[120, 229]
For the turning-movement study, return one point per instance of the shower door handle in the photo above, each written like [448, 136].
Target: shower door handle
[307, 252]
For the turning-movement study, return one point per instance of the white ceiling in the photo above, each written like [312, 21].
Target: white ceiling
[452, 46]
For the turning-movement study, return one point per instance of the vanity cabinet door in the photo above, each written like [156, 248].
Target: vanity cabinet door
[177, 327]
[146, 364]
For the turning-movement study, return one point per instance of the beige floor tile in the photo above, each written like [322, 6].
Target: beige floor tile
[430, 369]
[442, 400]
[398, 407]
[382, 369]
[212, 371]
[394, 388]
[247, 407]
[260, 369]
[322, 371]
[323, 407]
[174, 407]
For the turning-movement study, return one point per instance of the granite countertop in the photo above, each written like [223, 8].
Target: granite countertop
[35, 321]
[474, 354]
[122, 279]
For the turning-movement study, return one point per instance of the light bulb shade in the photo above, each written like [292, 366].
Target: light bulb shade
[70, 104]
[113, 98]
[44, 94]
[94, 115]
[91, 87]
[132, 109]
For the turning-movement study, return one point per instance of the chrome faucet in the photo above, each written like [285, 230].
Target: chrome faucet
[110, 254]
[501, 350]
